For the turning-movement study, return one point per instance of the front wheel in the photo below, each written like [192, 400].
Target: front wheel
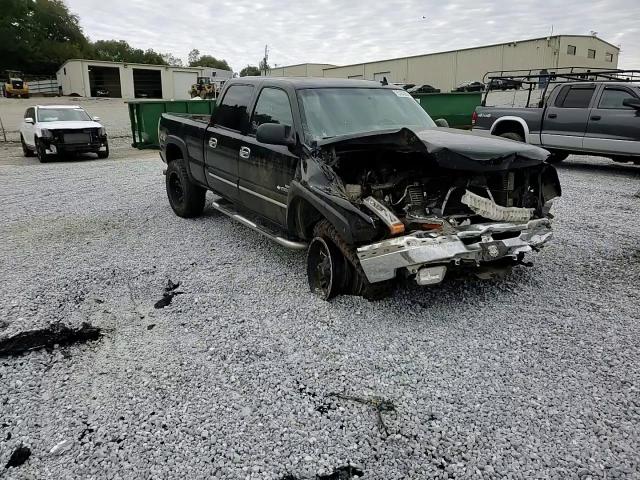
[104, 154]
[186, 199]
[333, 268]
[326, 268]
[41, 151]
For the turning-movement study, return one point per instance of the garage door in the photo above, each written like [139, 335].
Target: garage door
[147, 83]
[182, 82]
[104, 81]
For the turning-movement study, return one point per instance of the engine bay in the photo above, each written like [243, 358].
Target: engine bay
[424, 196]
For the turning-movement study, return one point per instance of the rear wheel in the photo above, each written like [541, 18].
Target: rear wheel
[513, 136]
[25, 150]
[557, 157]
[186, 199]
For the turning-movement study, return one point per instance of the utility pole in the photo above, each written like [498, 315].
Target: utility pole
[265, 61]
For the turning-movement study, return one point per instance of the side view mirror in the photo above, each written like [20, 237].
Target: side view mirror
[29, 120]
[632, 102]
[275, 134]
[441, 122]
[96, 119]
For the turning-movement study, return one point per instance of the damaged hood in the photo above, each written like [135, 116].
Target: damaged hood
[450, 148]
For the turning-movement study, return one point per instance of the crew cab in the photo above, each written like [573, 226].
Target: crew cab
[48, 130]
[587, 118]
[360, 176]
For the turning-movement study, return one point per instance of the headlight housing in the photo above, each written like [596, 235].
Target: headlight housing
[102, 132]
[45, 133]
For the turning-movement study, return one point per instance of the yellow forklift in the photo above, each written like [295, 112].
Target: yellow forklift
[14, 86]
[203, 88]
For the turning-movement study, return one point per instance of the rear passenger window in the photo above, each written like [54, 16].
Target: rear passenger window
[272, 107]
[575, 97]
[232, 112]
[613, 98]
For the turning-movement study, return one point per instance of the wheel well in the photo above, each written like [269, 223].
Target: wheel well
[509, 126]
[304, 218]
[172, 152]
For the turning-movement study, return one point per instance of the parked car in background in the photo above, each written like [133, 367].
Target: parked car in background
[423, 89]
[360, 176]
[504, 84]
[592, 118]
[404, 86]
[469, 87]
[57, 129]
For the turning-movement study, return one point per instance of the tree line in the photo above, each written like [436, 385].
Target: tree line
[37, 36]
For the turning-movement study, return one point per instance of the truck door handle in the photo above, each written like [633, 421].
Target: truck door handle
[596, 117]
[245, 152]
[213, 142]
[553, 115]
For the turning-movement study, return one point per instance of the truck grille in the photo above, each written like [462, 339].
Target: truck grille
[77, 138]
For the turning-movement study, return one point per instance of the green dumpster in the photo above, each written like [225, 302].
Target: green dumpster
[455, 107]
[144, 116]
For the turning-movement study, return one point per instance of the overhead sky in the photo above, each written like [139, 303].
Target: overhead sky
[350, 31]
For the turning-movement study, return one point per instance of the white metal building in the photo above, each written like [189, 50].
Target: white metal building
[300, 70]
[446, 70]
[92, 78]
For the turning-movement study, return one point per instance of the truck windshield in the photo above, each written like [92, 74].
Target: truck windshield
[62, 115]
[331, 112]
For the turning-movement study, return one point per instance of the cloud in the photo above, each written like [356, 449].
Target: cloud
[344, 32]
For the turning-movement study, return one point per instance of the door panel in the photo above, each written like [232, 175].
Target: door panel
[266, 171]
[565, 121]
[265, 177]
[222, 141]
[614, 128]
[222, 148]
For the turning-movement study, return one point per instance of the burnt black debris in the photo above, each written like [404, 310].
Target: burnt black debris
[19, 456]
[150, 326]
[345, 472]
[167, 296]
[48, 337]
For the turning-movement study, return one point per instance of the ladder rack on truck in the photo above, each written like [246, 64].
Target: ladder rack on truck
[543, 77]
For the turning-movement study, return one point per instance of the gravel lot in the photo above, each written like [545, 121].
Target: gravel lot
[248, 375]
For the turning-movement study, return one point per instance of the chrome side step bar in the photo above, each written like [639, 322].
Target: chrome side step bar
[228, 210]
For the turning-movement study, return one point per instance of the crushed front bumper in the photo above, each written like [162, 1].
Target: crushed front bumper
[485, 242]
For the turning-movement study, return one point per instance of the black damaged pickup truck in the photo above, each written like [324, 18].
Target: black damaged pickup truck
[361, 177]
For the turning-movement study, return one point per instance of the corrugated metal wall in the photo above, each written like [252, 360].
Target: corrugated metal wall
[449, 69]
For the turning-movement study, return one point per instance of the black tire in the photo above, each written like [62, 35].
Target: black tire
[25, 150]
[557, 157]
[186, 199]
[351, 279]
[104, 154]
[512, 136]
[41, 152]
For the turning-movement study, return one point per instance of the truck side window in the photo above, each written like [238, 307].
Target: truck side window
[575, 97]
[272, 107]
[29, 113]
[232, 112]
[613, 98]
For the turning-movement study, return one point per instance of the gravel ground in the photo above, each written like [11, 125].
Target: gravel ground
[247, 375]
